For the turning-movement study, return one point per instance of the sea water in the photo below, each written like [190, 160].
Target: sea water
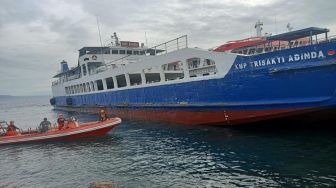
[152, 154]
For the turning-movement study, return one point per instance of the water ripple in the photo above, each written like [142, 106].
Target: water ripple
[147, 154]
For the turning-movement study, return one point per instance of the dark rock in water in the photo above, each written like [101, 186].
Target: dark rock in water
[103, 184]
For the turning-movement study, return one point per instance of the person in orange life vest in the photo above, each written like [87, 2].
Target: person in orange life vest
[61, 122]
[103, 115]
[11, 129]
[72, 123]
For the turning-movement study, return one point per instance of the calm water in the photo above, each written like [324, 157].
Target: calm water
[150, 154]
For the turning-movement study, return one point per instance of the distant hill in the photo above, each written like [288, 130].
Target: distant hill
[6, 96]
[11, 96]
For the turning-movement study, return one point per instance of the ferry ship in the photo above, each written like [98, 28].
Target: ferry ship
[242, 81]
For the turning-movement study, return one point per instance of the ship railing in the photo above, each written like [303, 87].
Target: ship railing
[73, 77]
[266, 49]
[170, 46]
[331, 38]
[163, 48]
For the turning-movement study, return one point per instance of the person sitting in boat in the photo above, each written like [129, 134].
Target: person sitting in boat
[11, 129]
[61, 122]
[44, 125]
[72, 123]
[103, 115]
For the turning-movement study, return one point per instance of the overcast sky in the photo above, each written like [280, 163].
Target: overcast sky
[36, 35]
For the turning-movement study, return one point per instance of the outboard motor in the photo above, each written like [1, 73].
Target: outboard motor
[64, 66]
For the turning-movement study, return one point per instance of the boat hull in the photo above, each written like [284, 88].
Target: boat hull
[92, 129]
[208, 117]
[265, 86]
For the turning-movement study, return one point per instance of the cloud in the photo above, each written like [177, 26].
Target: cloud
[36, 35]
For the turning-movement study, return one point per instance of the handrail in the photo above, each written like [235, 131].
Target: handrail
[175, 43]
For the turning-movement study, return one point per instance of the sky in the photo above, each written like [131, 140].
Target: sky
[36, 35]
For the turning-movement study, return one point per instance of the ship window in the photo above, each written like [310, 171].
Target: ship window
[135, 79]
[152, 77]
[84, 69]
[136, 52]
[93, 86]
[129, 52]
[142, 52]
[109, 83]
[114, 51]
[252, 51]
[99, 85]
[84, 87]
[88, 87]
[121, 80]
[207, 67]
[267, 49]
[173, 71]
[209, 62]
[260, 50]
[193, 63]
[122, 52]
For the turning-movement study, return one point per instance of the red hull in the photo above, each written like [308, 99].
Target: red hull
[91, 129]
[216, 117]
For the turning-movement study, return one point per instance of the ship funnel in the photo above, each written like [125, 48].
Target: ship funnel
[64, 66]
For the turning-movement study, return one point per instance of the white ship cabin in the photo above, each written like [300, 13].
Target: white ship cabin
[127, 65]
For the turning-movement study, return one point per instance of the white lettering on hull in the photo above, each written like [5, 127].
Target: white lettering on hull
[281, 60]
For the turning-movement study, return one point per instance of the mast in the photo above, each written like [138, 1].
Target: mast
[258, 28]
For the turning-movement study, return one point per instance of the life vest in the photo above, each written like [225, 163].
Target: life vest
[103, 115]
[11, 131]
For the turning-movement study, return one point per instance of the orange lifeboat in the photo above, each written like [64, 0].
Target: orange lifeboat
[73, 130]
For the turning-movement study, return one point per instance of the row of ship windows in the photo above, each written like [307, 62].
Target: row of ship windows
[196, 68]
[128, 52]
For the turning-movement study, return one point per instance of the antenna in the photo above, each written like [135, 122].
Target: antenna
[101, 44]
[289, 27]
[146, 39]
[258, 28]
[116, 39]
[276, 26]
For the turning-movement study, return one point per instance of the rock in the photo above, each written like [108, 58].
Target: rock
[9, 186]
[103, 184]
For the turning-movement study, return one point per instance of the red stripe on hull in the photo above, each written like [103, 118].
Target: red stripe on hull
[219, 117]
[207, 117]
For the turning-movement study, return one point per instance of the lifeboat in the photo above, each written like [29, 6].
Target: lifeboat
[82, 130]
